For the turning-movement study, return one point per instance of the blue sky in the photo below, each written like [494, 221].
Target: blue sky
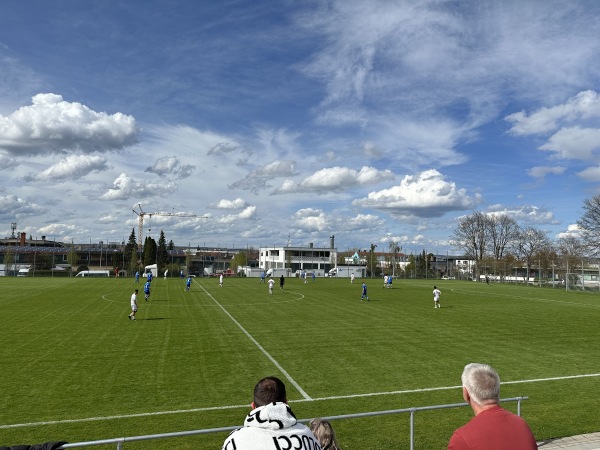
[290, 121]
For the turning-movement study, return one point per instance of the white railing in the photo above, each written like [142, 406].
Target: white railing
[121, 441]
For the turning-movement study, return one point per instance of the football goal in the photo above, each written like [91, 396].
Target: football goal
[582, 282]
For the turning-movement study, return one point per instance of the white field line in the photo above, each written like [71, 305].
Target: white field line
[247, 406]
[519, 297]
[260, 347]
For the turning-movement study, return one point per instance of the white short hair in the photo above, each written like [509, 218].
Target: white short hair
[482, 383]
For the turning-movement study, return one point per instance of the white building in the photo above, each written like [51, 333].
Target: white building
[298, 258]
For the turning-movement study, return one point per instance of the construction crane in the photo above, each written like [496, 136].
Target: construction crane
[141, 214]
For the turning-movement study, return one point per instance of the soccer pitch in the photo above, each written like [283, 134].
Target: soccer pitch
[74, 368]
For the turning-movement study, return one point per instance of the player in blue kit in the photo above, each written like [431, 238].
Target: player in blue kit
[147, 290]
[149, 277]
[188, 283]
[364, 293]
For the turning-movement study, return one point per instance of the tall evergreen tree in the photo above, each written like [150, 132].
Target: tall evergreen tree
[163, 254]
[149, 251]
[131, 245]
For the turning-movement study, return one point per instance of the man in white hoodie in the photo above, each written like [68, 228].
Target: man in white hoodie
[271, 424]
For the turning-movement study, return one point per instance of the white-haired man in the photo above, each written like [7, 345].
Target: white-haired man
[492, 428]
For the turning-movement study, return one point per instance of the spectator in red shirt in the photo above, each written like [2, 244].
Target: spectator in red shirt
[492, 428]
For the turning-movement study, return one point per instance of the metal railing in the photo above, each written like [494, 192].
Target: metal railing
[121, 441]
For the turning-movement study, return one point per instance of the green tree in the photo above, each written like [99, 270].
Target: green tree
[131, 245]
[9, 260]
[134, 264]
[72, 258]
[162, 254]
[240, 259]
[411, 267]
[372, 263]
[150, 248]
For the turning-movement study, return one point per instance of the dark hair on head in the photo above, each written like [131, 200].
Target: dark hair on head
[269, 390]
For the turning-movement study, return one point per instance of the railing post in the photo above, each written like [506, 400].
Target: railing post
[519, 406]
[412, 429]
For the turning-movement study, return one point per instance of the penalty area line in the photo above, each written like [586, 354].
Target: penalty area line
[337, 397]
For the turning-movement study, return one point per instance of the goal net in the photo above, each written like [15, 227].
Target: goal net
[582, 282]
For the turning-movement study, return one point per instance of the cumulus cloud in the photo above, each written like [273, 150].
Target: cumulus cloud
[124, 187]
[72, 167]
[525, 213]
[59, 229]
[247, 213]
[542, 171]
[335, 179]
[170, 166]
[108, 218]
[229, 204]
[12, 206]
[426, 194]
[52, 125]
[310, 219]
[584, 105]
[573, 230]
[363, 222]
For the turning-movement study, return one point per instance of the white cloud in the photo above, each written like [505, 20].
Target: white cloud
[247, 213]
[542, 171]
[125, 188]
[573, 230]
[72, 167]
[310, 220]
[258, 179]
[170, 166]
[51, 124]
[12, 206]
[335, 179]
[229, 204]
[109, 218]
[362, 222]
[525, 213]
[427, 194]
[574, 143]
[58, 229]
[584, 105]
[591, 174]
[275, 169]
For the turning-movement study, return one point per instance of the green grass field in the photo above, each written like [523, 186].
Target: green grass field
[74, 368]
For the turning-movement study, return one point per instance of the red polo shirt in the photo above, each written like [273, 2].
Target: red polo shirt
[493, 429]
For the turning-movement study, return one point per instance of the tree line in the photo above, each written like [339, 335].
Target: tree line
[497, 243]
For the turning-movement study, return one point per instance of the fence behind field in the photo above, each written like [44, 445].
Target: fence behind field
[121, 441]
